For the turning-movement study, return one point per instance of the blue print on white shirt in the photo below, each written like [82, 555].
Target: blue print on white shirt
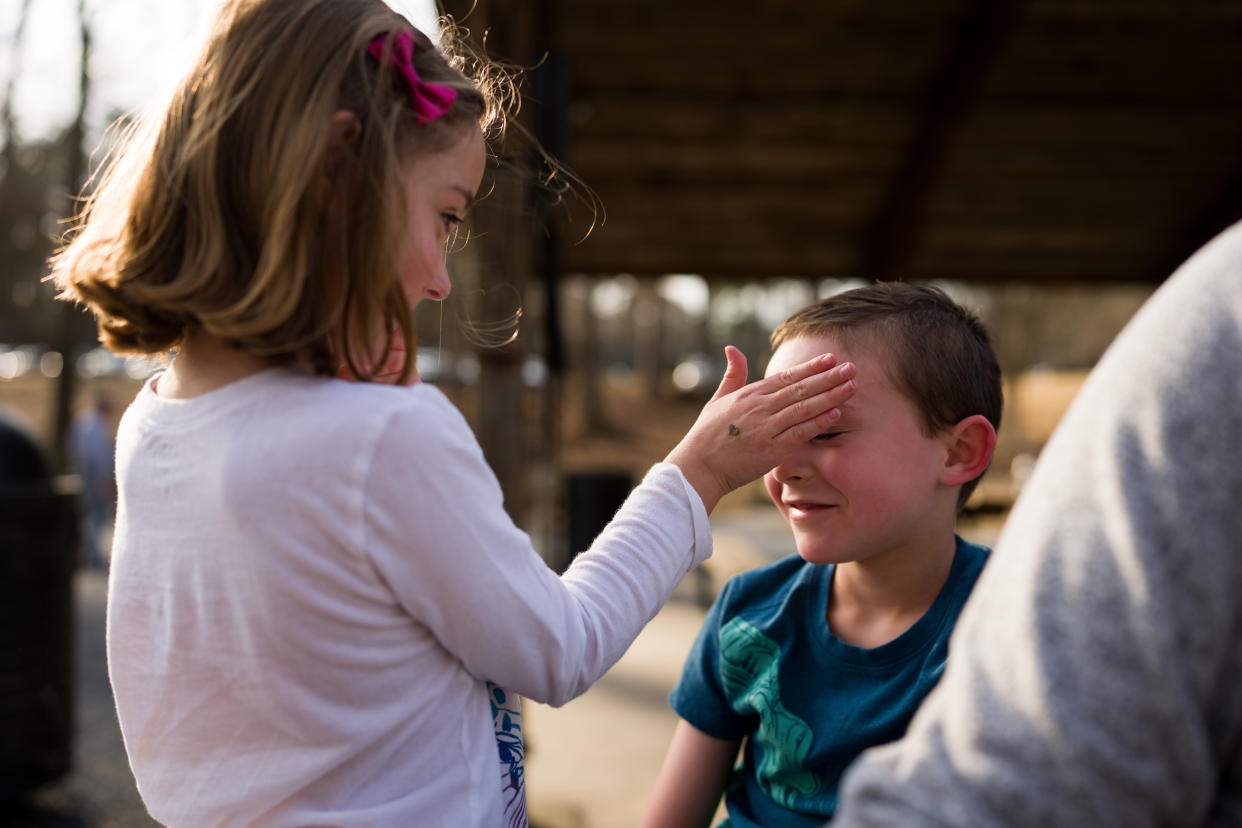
[507, 720]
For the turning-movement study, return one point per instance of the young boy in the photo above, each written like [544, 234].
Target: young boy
[816, 657]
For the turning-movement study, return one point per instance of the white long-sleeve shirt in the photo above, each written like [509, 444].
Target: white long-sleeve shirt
[312, 583]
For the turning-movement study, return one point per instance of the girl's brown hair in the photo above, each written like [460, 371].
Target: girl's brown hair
[242, 215]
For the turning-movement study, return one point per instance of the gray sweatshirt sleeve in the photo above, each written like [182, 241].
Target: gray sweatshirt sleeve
[1095, 677]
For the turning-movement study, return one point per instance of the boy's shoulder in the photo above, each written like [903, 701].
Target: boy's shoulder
[970, 558]
[968, 564]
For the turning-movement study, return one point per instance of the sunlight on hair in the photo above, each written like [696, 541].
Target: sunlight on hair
[457, 241]
[495, 333]
[512, 143]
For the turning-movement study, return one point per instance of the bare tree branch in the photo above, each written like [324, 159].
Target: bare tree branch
[6, 110]
[71, 321]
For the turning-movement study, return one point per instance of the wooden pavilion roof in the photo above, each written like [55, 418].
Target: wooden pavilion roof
[1045, 140]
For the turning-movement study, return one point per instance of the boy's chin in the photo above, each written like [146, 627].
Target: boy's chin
[823, 553]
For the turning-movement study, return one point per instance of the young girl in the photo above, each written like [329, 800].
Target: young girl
[314, 582]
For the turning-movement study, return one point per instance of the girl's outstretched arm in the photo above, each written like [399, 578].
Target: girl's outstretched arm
[436, 530]
[691, 781]
[745, 430]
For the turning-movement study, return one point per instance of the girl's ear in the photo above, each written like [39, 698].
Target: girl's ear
[969, 446]
[344, 128]
[343, 131]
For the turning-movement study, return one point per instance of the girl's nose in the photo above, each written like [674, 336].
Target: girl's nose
[440, 285]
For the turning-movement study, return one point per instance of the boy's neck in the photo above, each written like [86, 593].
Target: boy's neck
[873, 601]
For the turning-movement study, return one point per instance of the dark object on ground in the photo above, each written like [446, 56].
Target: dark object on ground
[38, 547]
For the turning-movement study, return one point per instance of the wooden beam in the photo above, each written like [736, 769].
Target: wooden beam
[894, 239]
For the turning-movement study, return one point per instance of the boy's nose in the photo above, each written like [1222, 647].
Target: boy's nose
[793, 467]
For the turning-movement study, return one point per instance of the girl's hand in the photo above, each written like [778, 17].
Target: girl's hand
[745, 430]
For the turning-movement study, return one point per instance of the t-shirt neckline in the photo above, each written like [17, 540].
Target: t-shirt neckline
[921, 634]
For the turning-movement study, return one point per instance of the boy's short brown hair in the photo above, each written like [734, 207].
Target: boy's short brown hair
[940, 354]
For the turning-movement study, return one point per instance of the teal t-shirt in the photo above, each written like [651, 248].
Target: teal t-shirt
[765, 667]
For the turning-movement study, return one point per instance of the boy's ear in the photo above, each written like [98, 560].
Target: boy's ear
[969, 447]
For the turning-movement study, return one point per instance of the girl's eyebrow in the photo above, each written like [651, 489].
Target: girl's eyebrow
[466, 194]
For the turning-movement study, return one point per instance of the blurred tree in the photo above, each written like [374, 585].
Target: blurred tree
[75, 331]
[26, 176]
[28, 179]
[38, 185]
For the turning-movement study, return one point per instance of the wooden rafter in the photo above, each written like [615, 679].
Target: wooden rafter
[894, 237]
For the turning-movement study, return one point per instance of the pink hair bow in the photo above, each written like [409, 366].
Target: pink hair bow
[429, 100]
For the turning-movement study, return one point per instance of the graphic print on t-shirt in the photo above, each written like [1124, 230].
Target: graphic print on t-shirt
[749, 667]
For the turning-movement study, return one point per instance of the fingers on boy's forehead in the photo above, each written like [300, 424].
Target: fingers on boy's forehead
[819, 380]
[810, 368]
[810, 388]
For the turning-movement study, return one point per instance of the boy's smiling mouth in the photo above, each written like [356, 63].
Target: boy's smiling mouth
[804, 508]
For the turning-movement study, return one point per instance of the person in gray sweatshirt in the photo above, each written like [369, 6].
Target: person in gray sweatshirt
[1095, 676]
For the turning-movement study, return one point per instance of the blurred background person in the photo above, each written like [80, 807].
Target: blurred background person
[92, 456]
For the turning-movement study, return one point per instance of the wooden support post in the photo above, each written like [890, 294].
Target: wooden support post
[501, 253]
[649, 335]
[502, 250]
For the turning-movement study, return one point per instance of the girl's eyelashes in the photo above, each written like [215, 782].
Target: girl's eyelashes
[827, 435]
[450, 223]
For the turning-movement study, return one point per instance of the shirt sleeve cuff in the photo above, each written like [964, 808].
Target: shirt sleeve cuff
[701, 549]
